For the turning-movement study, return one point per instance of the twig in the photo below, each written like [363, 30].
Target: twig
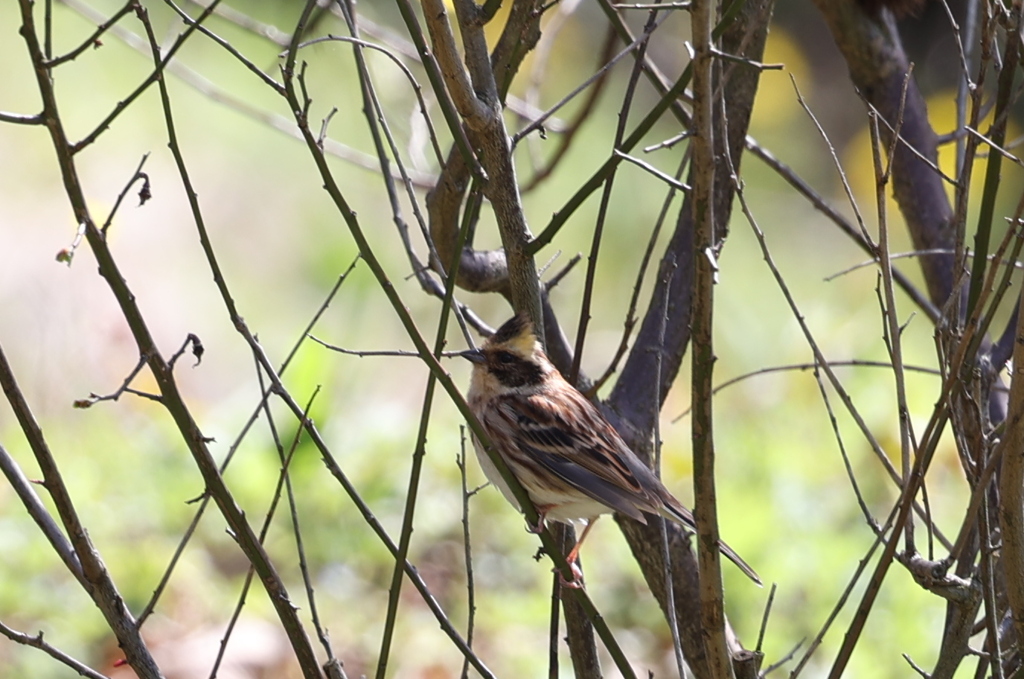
[964, 83]
[878, 66]
[224, 44]
[483, 271]
[598, 77]
[565, 537]
[819, 356]
[784, 659]
[541, 60]
[38, 512]
[870, 520]
[403, 314]
[597, 179]
[630, 319]
[669, 143]
[912, 253]
[94, 39]
[899, 143]
[583, 113]
[993, 610]
[144, 193]
[416, 87]
[629, 401]
[764, 618]
[37, 642]
[640, 5]
[467, 546]
[1011, 488]
[606, 193]
[501, 188]
[562, 273]
[124, 388]
[937, 422]
[725, 56]
[837, 164]
[914, 666]
[666, 554]
[21, 118]
[333, 665]
[996, 138]
[705, 248]
[668, 179]
[893, 333]
[197, 350]
[361, 353]
[95, 577]
[855, 363]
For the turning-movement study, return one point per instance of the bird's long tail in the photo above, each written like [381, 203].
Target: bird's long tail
[684, 518]
[731, 555]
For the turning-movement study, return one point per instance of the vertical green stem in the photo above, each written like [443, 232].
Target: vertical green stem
[706, 514]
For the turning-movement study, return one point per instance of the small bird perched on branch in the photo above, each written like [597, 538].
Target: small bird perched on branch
[569, 459]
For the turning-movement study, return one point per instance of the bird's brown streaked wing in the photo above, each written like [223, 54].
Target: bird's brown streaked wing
[573, 452]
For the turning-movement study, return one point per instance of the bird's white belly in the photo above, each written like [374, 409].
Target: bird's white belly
[561, 506]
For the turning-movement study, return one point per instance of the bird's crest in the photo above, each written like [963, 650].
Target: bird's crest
[516, 334]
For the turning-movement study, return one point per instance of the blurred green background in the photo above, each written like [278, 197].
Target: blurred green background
[785, 501]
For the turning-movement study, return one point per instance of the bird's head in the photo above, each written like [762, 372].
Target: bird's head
[512, 355]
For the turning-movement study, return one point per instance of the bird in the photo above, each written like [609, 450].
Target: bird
[571, 461]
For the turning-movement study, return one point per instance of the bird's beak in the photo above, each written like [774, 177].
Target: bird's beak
[474, 355]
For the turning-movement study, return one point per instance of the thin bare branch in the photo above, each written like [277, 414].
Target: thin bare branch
[93, 40]
[58, 655]
[95, 577]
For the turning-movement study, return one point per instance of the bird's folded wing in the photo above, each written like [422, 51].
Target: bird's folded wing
[584, 452]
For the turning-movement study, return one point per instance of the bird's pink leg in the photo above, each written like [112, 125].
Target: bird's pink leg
[541, 513]
[573, 556]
